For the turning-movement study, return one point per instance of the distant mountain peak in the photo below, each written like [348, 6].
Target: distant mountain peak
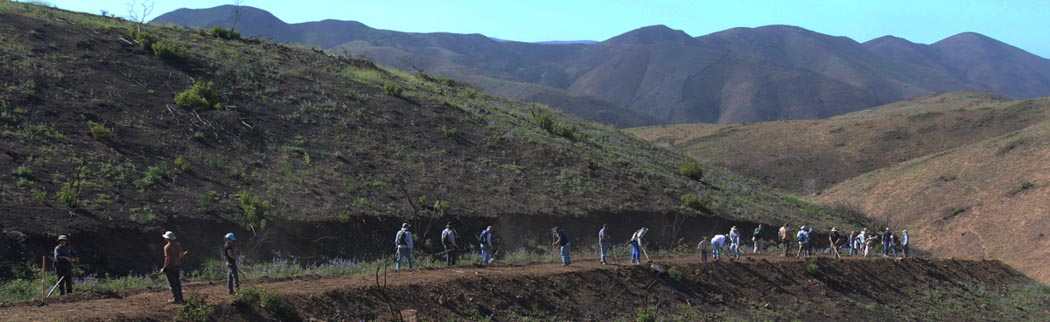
[651, 35]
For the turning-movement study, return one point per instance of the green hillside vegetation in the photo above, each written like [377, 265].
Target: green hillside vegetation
[113, 138]
[809, 156]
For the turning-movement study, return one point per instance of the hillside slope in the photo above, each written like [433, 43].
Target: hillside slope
[809, 156]
[985, 199]
[732, 76]
[305, 154]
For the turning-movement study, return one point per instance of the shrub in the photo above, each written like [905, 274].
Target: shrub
[170, 52]
[691, 169]
[181, 163]
[23, 172]
[548, 124]
[644, 314]
[223, 33]
[99, 131]
[813, 269]
[146, 40]
[953, 212]
[201, 96]
[675, 273]
[254, 208]
[272, 302]
[195, 309]
[68, 195]
[208, 199]
[199, 136]
[449, 131]
[697, 202]
[153, 175]
[392, 89]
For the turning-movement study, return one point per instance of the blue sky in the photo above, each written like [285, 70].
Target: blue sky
[1022, 23]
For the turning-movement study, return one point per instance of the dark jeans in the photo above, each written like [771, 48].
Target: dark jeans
[232, 279]
[787, 246]
[904, 248]
[65, 272]
[174, 282]
[450, 256]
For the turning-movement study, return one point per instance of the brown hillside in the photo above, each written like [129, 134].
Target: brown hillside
[808, 156]
[304, 154]
[985, 199]
[731, 76]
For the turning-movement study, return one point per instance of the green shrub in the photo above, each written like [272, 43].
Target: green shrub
[199, 136]
[272, 302]
[202, 95]
[195, 309]
[169, 52]
[68, 195]
[146, 40]
[209, 198]
[449, 131]
[392, 89]
[696, 202]
[181, 163]
[813, 269]
[644, 314]
[153, 175]
[692, 170]
[953, 212]
[675, 273]
[39, 195]
[23, 172]
[545, 122]
[254, 208]
[99, 131]
[223, 33]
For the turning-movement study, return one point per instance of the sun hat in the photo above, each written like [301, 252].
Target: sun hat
[833, 229]
[169, 235]
[230, 236]
[405, 225]
[734, 228]
[63, 237]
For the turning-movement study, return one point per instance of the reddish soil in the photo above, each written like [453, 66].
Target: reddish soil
[765, 286]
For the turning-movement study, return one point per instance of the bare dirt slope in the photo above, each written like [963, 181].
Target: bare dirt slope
[809, 156]
[677, 288]
[984, 199]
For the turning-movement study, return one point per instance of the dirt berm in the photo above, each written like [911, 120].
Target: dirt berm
[681, 288]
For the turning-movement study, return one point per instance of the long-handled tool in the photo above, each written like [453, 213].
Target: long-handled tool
[646, 255]
[54, 287]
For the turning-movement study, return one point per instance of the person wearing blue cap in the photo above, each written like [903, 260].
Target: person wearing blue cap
[232, 279]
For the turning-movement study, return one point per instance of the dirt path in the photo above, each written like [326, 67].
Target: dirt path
[140, 304]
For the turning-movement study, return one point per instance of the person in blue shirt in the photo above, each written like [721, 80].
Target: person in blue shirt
[448, 241]
[603, 242]
[403, 242]
[486, 245]
[636, 245]
[734, 243]
[562, 239]
[803, 242]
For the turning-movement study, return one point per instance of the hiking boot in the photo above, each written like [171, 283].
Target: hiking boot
[179, 302]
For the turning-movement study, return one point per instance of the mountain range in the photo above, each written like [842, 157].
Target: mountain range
[658, 75]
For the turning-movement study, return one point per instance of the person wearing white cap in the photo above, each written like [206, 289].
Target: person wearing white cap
[734, 243]
[172, 255]
[485, 243]
[904, 243]
[232, 278]
[803, 241]
[65, 256]
[636, 245]
[403, 241]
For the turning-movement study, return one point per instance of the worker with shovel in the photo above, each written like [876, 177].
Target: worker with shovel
[637, 248]
[232, 278]
[173, 253]
[485, 243]
[561, 239]
[65, 257]
[448, 241]
[717, 243]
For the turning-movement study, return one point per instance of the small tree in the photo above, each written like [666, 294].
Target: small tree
[139, 12]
